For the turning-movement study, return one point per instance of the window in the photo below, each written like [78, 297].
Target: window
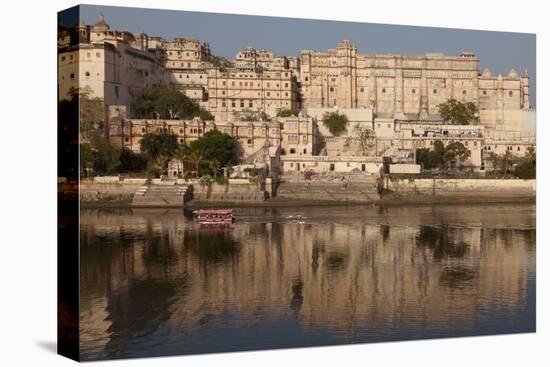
[362, 90]
[484, 92]
[181, 131]
[413, 91]
[233, 103]
[510, 93]
[464, 92]
[332, 167]
[223, 102]
[305, 151]
[286, 84]
[435, 91]
[142, 129]
[188, 64]
[292, 151]
[519, 149]
[72, 75]
[332, 89]
[87, 74]
[250, 104]
[62, 58]
[383, 90]
[249, 141]
[268, 94]
[307, 79]
[363, 167]
[126, 139]
[181, 141]
[242, 103]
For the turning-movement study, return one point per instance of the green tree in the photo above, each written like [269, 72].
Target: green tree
[526, 170]
[156, 144]
[91, 111]
[531, 154]
[458, 113]
[428, 158]
[335, 122]
[215, 146]
[182, 154]
[441, 155]
[285, 112]
[168, 103]
[132, 162]
[196, 157]
[106, 156]
[456, 151]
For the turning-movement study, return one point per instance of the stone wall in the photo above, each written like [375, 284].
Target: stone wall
[109, 191]
[482, 187]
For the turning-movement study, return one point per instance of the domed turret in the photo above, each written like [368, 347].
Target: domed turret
[101, 25]
[513, 73]
[486, 73]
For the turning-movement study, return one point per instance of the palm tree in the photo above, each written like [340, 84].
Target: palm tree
[161, 162]
[506, 158]
[182, 154]
[196, 157]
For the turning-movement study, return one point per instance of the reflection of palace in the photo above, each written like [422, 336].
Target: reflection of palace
[388, 272]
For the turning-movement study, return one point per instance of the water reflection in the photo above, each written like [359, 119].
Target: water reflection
[155, 283]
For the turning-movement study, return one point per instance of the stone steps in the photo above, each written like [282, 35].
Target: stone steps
[160, 195]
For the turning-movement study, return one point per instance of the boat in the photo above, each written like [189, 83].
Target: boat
[215, 216]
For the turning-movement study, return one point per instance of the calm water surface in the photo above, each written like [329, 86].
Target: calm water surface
[155, 283]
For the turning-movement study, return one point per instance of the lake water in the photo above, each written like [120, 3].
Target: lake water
[155, 283]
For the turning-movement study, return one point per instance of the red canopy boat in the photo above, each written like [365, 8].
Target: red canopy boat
[217, 216]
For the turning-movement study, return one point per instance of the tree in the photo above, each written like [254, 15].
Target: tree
[132, 162]
[182, 154]
[458, 113]
[196, 157]
[106, 156]
[168, 103]
[441, 155]
[525, 170]
[215, 146]
[157, 144]
[531, 154]
[429, 159]
[364, 136]
[162, 160]
[285, 112]
[456, 151]
[335, 122]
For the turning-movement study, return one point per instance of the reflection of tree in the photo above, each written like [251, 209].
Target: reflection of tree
[211, 248]
[457, 277]
[440, 242]
[336, 261]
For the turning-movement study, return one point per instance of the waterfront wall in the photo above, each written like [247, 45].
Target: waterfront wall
[113, 189]
[481, 187]
[104, 190]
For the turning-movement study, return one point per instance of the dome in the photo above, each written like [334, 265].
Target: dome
[486, 73]
[513, 73]
[101, 25]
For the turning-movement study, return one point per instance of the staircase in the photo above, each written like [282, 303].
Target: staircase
[166, 194]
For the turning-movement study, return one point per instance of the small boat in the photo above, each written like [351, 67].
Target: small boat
[217, 216]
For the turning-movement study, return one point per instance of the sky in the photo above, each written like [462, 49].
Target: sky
[227, 34]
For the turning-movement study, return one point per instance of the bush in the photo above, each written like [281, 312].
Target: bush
[285, 112]
[525, 170]
[335, 122]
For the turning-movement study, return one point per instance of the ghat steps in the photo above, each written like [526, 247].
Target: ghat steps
[168, 194]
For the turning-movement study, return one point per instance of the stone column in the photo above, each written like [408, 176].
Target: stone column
[500, 103]
[424, 92]
[398, 89]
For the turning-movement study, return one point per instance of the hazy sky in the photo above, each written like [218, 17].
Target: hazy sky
[227, 34]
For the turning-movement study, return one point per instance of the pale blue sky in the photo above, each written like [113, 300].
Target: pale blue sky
[227, 34]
